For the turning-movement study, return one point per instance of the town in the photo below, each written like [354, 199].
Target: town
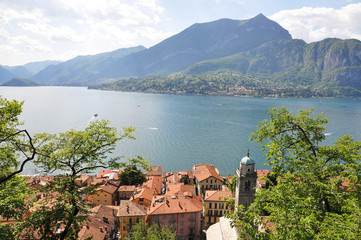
[193, 202]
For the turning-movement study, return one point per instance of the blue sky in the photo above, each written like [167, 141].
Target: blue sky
[62, 29]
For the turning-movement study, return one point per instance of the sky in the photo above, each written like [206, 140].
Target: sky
[37, 30]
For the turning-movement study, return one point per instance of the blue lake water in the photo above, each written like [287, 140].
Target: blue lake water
[175, 131]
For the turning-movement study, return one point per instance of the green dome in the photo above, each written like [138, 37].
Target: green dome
[247, 160]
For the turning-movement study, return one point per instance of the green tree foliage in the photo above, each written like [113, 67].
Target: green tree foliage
[142, 231]
[132, 175]
[317, 195]
[16, 149]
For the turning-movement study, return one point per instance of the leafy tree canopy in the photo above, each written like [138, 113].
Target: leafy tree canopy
[142, 231]
[317, 195]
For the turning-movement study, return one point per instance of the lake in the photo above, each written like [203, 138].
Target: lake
[175, 131]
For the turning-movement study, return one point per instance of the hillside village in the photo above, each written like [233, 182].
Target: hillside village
[191, 201]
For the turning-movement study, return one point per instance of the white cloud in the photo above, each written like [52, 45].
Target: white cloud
[314, 24]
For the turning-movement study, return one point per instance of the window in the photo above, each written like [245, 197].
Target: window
[210, 205]
[130, 221]
[209, 212]
[247, 186]
[123, 228]
[123, 220]
[181, 230]
[211, 181]
[182, 223]
[215, 205]
[220, 213]
[215, 212]
[215, 180]
[182, 215]
[137, 220]
[207, 181]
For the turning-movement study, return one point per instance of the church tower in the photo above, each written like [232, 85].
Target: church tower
[246, 181]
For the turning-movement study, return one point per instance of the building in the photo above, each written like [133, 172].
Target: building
[105, 195]
[185, 177]
[143, 196]
[102, 224]
[154, 171]
[130, 213]
[246, 181]
[182, 212]
[180, 189]
[215, 206]
[207, 178]
[154, 182]
[125, 192]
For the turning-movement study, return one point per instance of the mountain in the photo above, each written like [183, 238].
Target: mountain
[35, 67]
[201, 41]
[328, 68]
[19, 82]
[293, 62]
[82, 70]
[19, 71]
[5, 75]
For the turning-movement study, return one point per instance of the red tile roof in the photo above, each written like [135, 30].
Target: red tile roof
[172, 205]
[204, 171]
[154, 182]
[179, 189]
[260, 181]
[217, 195]
[129, 208]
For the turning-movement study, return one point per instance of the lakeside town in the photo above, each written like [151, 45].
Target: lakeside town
[193, 202]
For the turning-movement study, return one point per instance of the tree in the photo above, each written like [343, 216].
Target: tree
[317, 195]
[14, 142]
[60, 214]
[131, 174]
[16, 149]
[142, 231]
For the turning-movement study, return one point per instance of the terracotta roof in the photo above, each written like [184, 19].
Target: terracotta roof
[154, 182]
[145, 193]
[129, 208]
[126, 188]
[204, 171]
[179, 189]
[261, 182]
[217, 195]
[109, 174]
[101, 219]
[154, 171]
[172, 205]
[176, 177]
[108, 188]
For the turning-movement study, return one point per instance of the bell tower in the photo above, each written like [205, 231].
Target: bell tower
[246, 181]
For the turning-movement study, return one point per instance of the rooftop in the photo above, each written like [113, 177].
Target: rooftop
[204, 171]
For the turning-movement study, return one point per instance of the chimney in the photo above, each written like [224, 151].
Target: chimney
[87, 227]
[101, 229]
[127, 208]
[106, 229]
[180, 205]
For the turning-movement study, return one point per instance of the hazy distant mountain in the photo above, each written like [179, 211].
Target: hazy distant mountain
[29, 69]
[5, 75]
[199, 42]
[35, 67]
[83, 70]
[19, 82]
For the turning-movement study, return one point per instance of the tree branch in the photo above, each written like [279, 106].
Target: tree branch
[4, 179]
